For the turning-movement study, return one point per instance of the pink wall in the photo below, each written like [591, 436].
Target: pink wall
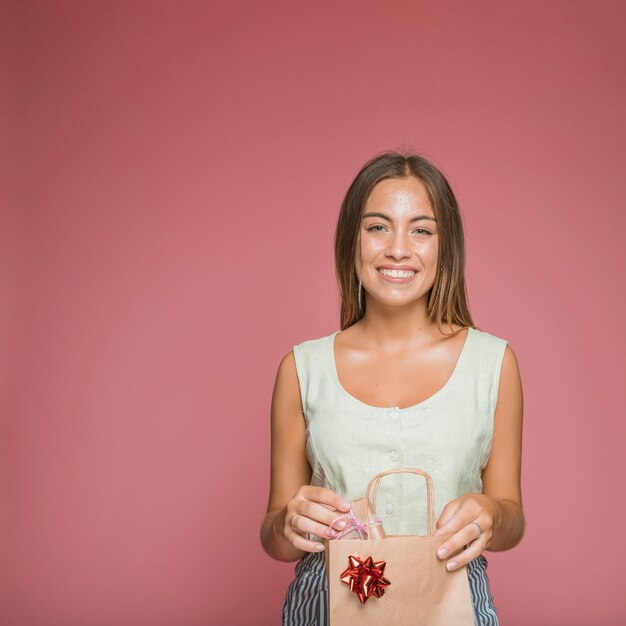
[173, 178]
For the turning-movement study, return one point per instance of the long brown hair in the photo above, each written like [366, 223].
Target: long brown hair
[447, 300]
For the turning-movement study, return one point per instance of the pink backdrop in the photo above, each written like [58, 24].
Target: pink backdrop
[172, 180]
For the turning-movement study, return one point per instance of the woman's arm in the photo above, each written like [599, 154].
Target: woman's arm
[502, 475]
[498, 509]
[290, 475]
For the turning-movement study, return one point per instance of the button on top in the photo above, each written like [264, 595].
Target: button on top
[393, 455]
[389, 509]
[393, 414]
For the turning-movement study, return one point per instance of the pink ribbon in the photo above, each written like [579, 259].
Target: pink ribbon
[352, 523]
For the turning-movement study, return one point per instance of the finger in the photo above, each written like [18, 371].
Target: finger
[322, 495]
[447, 515]
[474, 550]
[323, 515]
[303, 524]
[329, 524]
[302, 543]
[467, 511]
[468, 534]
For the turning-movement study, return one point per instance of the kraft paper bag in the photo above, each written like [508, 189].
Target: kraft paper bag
[410, 586]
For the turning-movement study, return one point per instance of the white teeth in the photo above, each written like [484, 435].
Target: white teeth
[396, 273]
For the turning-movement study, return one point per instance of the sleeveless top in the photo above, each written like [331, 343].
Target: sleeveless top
[449, 434]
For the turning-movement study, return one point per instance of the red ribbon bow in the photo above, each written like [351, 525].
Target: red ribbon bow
[365, 578]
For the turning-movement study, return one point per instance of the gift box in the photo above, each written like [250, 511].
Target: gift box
[357, 526]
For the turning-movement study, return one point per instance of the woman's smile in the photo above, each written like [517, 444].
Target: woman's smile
[397, 276]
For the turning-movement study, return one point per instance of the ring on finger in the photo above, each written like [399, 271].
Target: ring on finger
[480, 530]
[293, 517]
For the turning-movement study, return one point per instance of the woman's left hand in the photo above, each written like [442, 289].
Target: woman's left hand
[463, 517]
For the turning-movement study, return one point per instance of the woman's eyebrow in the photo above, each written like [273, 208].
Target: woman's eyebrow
[386, 217]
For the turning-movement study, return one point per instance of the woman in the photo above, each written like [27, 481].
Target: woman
[409, 381]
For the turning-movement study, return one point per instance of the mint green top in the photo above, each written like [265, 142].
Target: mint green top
[449, 434]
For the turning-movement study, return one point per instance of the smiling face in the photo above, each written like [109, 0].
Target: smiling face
[398, 245]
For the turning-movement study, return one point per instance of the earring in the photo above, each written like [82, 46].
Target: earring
[359, 295]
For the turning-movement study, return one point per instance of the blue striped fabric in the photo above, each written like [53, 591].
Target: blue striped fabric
[306, 601]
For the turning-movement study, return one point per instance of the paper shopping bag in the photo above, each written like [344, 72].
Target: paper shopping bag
[397, 579]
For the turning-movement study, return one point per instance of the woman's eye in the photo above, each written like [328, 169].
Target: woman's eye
[377, 228]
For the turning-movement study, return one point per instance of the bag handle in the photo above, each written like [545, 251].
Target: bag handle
[430, 497]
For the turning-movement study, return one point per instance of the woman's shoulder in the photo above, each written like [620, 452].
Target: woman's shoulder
[489, 342]
[306, 356]
[487, 336]
[309, 345]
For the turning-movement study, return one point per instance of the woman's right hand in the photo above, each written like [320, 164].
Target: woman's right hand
[312, 510]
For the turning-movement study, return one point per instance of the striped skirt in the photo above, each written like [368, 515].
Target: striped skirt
[306, 601]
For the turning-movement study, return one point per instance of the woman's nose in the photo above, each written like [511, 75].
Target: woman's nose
[398, 244]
